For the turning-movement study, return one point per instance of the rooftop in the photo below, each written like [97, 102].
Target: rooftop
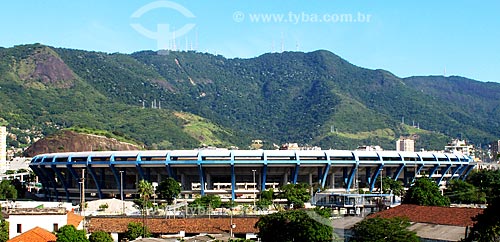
[35, 234]
[453, 216]
[172, 226]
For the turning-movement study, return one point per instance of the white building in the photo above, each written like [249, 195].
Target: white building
[50, 219]
[3, 149]
[405, 144]
[460, 147]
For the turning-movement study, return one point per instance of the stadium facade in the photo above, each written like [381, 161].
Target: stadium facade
[236, 174]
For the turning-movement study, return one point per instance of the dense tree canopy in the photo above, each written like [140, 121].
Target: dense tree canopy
[296, 194]
[425, 192]
[486, 181]
[68, 233]
[100, 236]
[487, 226]
[169, 189]
[7, 190]
[207, 201]
[295, 225]
[390, 186]
[383, 230]
[4, 229]
[459, 191]
[136, 230]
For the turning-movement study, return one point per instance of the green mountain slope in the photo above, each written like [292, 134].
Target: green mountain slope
[186, 99]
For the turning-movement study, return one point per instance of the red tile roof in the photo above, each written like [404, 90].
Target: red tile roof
[171, 226]
[432, 215]
[35, 234]
[74, 219]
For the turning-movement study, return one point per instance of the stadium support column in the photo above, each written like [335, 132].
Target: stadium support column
[94, 176]
[434, 169]
[296, 173]
[419, 168]
[351, 177]
[325, 175]
[398, 172]
[375, 176]
[368, 173]
[264, 177]
[443, 172]
[454, 171]
[233, 182]
[63, 180]
[202, 179]
[467, 171]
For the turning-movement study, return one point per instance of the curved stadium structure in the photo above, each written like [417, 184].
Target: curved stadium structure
[236, 174]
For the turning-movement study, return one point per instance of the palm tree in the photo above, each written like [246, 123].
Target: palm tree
[145, 189]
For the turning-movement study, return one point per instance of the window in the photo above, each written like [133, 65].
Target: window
[56, 227]
[19, 228]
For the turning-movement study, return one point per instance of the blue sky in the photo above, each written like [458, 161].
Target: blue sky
[406, 38]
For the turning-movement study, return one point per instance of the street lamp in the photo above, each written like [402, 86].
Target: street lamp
[254, 187]
[121, 192]
[381, 177]
[155, 184]
[232, 226]
[82, 198]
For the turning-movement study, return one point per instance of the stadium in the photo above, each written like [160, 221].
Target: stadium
[237, 175]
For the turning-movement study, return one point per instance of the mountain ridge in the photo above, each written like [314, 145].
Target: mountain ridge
[314, 98]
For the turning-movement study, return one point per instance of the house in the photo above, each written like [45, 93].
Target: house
[22, 220]
[35, 234]
[432, 223]
[181, 227]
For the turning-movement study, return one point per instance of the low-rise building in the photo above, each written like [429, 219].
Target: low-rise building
[432, 223]
[405, 144]
[495, 152]
[35, 234]
[460, 147]
[23, 219]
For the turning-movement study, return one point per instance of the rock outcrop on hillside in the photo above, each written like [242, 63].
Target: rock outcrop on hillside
[69, 141]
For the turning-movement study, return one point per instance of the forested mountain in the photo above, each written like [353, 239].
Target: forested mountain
[186, 99]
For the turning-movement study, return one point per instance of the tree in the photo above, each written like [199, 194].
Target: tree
[207, 201]
[20, 188]
[425, 192]
[7, 190]
[486, 181]
[296, 194]
[135, 230]
[68, 233]
[169, 189]
[266, 199]
[487, 226]
[145, 190]
[295, 225]
[100, 236]
[4, 229]
[383, 229]
[390, 186]
[459, 191]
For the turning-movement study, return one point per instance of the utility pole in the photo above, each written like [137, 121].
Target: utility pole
[121, 192]
[82, 198]
[254, 188]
